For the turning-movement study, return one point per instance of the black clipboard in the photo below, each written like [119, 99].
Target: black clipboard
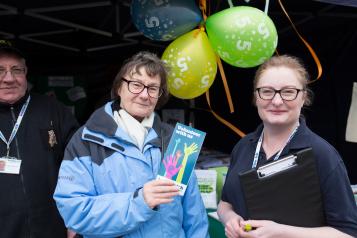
[286, 191]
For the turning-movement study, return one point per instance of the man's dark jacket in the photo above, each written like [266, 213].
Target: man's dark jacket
[27, 209]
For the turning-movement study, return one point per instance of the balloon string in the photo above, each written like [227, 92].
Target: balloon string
[225, 84]
[203, 7]
[225, 122]
[312, 52]
[266, 7]
[230, 3]
[198, 31]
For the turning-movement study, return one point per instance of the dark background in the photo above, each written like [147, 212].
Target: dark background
[90, 39]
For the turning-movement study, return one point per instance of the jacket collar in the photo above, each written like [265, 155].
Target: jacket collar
[299, 141]
[102, 122]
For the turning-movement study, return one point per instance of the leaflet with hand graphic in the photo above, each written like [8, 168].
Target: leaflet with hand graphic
[181, 155]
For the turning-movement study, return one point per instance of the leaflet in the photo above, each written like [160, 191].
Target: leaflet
[181, 155]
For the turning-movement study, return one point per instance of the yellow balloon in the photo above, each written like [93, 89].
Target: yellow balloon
[192, 63]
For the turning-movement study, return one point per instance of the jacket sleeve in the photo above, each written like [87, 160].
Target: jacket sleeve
[195, 222]
[340, 206]
[86, 212]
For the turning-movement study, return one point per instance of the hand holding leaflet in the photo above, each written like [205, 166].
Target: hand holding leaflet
[173, 167]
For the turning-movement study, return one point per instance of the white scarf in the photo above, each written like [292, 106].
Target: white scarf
[137, 131]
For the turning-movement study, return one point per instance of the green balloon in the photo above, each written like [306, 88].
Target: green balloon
[242, 36]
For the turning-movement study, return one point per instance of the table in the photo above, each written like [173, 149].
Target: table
[216, 229]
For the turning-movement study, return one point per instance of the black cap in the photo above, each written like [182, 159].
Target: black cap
[6, 47]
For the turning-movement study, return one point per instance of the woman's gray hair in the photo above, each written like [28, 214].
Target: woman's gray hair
[153, 66]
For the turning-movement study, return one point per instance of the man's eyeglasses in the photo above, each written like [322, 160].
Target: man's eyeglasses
[136, 87]
[15, 72]
[287, 94]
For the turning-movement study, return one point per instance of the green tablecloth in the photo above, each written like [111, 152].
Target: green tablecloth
[216, 229]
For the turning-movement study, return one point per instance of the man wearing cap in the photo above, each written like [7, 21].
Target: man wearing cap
[34, 130]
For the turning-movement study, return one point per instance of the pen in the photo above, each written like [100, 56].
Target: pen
[247, 227]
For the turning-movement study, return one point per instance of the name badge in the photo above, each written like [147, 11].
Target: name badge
[9, 165]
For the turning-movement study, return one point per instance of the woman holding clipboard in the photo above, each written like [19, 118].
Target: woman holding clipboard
[280, 92]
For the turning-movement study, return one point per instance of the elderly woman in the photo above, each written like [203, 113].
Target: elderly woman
[107, 183]
[280, 92]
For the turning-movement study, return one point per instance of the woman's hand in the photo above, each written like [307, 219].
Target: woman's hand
[261, 229]
[71, 234]
[158, 192]
[232, 226]
[270, 229]
[229, 219]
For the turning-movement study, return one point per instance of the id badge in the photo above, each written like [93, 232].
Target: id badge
[10, 165]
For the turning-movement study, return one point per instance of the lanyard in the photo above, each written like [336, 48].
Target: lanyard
[259, 145]
[16, 126]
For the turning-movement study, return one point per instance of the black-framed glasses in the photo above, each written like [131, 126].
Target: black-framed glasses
[15, 72]
[137, 87]
[287, 94]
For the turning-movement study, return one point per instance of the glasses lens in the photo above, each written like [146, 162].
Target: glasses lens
[266, 93]
[17, 71]
[289, 94]
[154, 92]
[135, 87]
[2, 72]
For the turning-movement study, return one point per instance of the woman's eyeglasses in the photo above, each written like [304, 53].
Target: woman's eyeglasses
[137, 87]
[287, 94]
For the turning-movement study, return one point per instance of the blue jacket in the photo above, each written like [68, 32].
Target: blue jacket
[99, 186]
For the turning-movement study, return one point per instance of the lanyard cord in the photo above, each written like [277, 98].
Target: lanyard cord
[259, 145]
[16, 126]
